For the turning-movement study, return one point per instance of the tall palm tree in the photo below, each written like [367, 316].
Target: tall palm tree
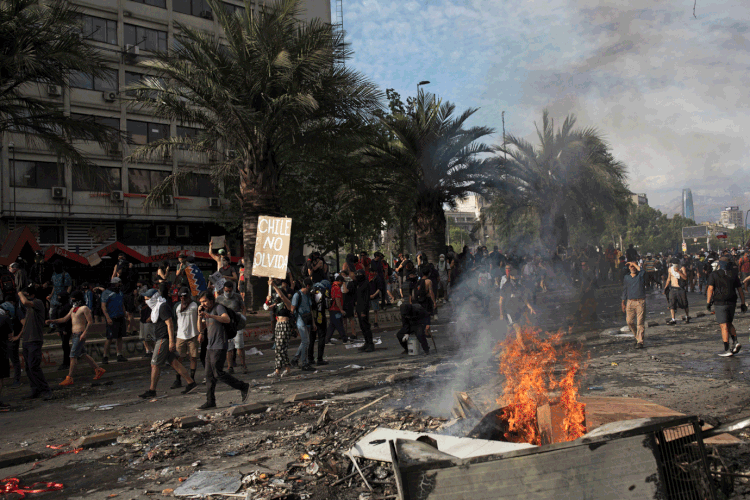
[435, 160]
[271, 88]
[41, 45]
[570, 177]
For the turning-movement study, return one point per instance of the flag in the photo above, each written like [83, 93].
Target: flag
[195, 279]
[722, 235]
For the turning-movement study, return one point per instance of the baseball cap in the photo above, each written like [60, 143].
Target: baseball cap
[13, 265]
[150, 292]
[115, 280]
[184, 291]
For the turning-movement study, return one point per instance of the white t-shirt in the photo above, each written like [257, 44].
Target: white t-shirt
[187, 321]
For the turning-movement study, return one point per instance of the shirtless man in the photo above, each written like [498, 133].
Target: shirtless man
[677, 280]
[82, 319]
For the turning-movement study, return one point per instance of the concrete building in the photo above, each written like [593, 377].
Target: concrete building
[731, 217]
[38, 190]
[640, 199]
[688, 211]
[467, 214]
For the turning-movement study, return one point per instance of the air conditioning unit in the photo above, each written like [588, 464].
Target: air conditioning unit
[117, 196]
[162, 231]
[132, 51]
[54, 90]
[214, 203]
[59, 192]
[207, 14]
[167, 200]
[183, 231]
[109, 95]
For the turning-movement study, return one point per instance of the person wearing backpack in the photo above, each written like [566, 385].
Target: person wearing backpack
[302, 312]
[423, 294]
[723, 287]
[235, 307]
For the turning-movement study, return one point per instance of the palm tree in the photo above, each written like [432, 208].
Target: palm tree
[569, 178]
[435, 161]
[268, 90]
[41, 45]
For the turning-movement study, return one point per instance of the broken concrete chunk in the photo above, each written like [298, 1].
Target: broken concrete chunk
[358, 386]
[18, 457]
[303, 396]
[253, 409]
[399, 377]
[96, 440]
[190, 422]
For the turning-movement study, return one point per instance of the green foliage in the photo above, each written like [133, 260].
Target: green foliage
[41, 45]
[649, 230]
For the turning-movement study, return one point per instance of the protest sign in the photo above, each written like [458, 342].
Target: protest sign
[272, 247]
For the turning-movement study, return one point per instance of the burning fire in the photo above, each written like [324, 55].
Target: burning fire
[528, 363]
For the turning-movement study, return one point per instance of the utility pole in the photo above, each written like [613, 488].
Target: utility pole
[502, 115]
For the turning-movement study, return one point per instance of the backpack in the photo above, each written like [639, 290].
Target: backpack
[232, 327]
[723, 290]
[7, 285]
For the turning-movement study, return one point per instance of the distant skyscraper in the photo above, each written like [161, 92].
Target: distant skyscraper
[687, 204]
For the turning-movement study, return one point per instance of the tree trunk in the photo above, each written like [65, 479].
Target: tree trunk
[256, 202]
[430, 227]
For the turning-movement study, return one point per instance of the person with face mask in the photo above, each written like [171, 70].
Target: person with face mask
[723, 287]
[444, 269]
[186, 312]
[114, 313]
[676, 291]
[165, 338]
[318, 300]
[302, 314]
[231, 300]
[80, 318]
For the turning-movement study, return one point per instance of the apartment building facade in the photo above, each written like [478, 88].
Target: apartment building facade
[38, 190]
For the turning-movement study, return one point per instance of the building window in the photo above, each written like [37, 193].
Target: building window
[132, 77]
[51, 235]
[199, 185]
[109, 179]
[144, 132]
[193, 7]
[142, 181]
[145, 38]
[156, 3]
[100, 30]
[231, 9]
[100, 120]
[37, 174]
[108, 81]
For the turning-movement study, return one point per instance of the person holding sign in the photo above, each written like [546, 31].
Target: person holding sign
[223, 263]
[282, 308]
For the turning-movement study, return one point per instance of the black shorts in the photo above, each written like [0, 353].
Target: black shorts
[678, 299]
[725, 314]
[117, 329]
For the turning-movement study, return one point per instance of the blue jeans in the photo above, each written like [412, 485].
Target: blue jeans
[304, 335]
[336, 323]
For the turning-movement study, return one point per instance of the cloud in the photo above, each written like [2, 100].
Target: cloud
[668, 91]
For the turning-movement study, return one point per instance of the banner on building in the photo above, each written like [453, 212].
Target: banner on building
[272, 247]
[721, 235]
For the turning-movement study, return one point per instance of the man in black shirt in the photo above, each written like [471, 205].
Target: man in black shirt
[32, 333]
[363, 310]
[165, 341]
[723, 286]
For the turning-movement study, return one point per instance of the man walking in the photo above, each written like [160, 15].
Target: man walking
[363, 310]
[677, 291]
[723, 287]
[211, 320]
[634, 301]
[302, 312]
[32, 333]
[81, 319]
[231, 300]
[186, 312]
[114, 312]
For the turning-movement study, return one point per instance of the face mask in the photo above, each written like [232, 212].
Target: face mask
[442, 259]
[78, 303]
[228, 295]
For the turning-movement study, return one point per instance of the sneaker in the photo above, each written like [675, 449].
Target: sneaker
[121, 358]
[671, 321]
[67, 381]
[272, 375]
[230, 369]
[322, 362]
[367, 348]
[332, 342]
[736, 348]
[98, 373]
[207, 406]
[47, 396]
[726, 354]
[687, 319]
[307, 368]
[286, 372]
[204, 381]
[105, 360]
[245, 392]
[190, 388]
[176, 384]
[148, 394]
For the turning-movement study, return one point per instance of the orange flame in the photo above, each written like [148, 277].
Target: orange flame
[528, 363]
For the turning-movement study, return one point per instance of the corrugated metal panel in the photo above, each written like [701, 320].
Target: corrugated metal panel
[82, 236]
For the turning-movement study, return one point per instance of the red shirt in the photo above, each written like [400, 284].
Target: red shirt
[336, 294]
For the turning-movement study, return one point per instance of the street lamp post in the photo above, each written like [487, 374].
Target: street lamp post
[423, 82]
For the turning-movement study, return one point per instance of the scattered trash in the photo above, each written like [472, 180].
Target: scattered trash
[357, 345]
[614, 364]
[596, 388]
[354, 367]
[204, 483]
[254, 351]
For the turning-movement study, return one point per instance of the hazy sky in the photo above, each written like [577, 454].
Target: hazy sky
[668, 91]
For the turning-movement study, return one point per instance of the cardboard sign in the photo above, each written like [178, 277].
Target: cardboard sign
[272, 247]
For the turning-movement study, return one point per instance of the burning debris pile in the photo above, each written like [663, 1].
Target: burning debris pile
[539, 406]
